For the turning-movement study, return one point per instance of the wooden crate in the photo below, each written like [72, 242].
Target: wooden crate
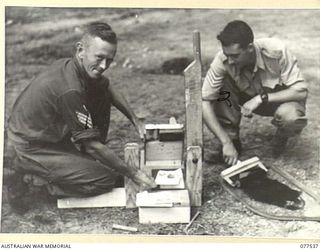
[167, 206]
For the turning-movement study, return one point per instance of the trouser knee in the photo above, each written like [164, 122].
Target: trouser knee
[290, 118]
[97, 187]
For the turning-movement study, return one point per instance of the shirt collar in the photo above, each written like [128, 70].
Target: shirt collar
[86, 81]
[259, 60]
[80, 70]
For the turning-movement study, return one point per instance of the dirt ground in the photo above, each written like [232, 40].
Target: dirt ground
[35, 37]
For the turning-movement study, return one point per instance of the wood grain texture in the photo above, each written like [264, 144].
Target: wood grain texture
[193, 132]
[161, 150]
[194, 174]
[174, 207]
[131, 157]
[115, 198]
[193, 97]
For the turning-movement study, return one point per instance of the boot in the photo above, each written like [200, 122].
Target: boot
[17, 191]
[279, 143]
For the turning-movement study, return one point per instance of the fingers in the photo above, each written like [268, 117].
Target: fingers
[246, 112]
[147, 186]
[144, 181]
[231, 160]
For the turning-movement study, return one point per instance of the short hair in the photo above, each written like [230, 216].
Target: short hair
[100, 29]
[236, 32]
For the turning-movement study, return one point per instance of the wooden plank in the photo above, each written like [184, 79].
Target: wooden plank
[194, 174]
[143, 165]
[170, 131]
[170, 164]
[115, 198]
[193, 97]
[163, 198]
[168, 206]
[167, 126]
[162, 150]
[239, 166]
[131, 157]
[194, 135]
[164, 215]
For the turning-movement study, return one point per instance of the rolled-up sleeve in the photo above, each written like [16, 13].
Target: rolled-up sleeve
[213, 80]
[290, 72]
[77, 117]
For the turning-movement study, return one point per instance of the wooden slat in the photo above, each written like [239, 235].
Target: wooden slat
[194, 174]
[168, 126]
[170, 164]
[239, 166]
[115, 198]
[164, 215]
[131, 156]
[160, 150]
[164, 198]
[193, 97]
[143, 165]
[194, 135]
[168, 206]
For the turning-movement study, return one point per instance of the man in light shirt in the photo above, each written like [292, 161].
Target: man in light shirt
[252, 76]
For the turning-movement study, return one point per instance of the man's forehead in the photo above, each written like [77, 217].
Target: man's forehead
[234, 48]
[97, 45]
[96, 40]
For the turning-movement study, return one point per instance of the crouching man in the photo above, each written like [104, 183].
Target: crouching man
[247, 77]
[59, 123]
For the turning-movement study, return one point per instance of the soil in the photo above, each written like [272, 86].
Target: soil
[154, 47]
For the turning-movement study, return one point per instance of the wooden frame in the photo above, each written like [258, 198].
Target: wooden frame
[157, 154]
[194, 135]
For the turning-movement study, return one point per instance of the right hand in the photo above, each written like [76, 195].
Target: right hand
[143, 180]
[230, 154]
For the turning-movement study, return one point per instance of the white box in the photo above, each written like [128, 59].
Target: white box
[167, 206]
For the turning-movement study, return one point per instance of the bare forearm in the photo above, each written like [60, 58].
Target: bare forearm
[213, 124]
[288, 95]
[104, 155]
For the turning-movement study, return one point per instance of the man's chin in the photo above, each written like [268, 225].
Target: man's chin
[95, 76]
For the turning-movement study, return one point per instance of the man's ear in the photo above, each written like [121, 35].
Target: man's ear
[250, 47]
[80, 49]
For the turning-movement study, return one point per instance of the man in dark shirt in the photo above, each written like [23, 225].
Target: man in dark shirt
[60, 122]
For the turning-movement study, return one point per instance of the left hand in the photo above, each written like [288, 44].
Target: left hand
[250, 106]
[140, 127]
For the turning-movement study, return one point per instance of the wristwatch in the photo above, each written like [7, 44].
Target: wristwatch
[264, 97]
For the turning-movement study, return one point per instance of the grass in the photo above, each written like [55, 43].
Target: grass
[148, 37]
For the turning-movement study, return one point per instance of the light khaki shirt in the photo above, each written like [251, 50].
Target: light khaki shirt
[275, 65]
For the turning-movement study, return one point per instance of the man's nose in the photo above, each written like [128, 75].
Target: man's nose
[103, 64]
